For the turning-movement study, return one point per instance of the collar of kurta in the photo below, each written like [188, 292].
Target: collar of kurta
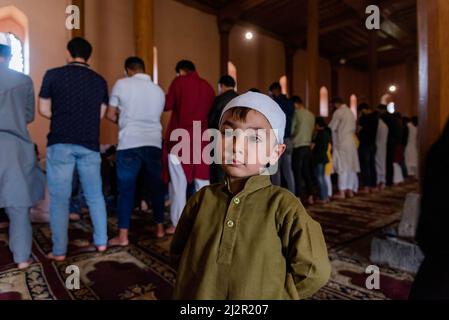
[193, 74]
[252, 184]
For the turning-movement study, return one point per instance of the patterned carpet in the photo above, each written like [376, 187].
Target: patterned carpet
[142, 272]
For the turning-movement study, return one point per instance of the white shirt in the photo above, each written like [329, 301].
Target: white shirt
[141, 103]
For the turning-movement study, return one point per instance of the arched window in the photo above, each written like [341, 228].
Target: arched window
[232, 71]
[283, 81]
[155, 66]
[17, 62]
[15, 22]
[353, 104]
[324, 102]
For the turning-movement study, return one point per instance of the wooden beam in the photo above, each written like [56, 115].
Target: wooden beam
[200, 6]
[143, 32]
[326, 28]
[246, 5]
[80, 32]
[389, 27]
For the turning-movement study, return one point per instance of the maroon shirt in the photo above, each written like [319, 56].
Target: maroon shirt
[190, 98]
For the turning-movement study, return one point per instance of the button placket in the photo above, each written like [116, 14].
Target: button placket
[229, 232]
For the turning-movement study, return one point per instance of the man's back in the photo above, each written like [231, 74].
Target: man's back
[77, 94]
[16, 103]
[304, 124]
[141, 103]
[190, 97]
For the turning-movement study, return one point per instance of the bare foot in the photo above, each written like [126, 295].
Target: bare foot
[51, 256]
[102, 248]
[24, 265]
[310, 200]
[119, 242]
[160, 231]
[171, 230]
[364, 191]
[339, 196]
[350, 194]
[74, 217]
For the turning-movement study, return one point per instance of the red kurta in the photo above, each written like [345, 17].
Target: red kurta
[190, 98]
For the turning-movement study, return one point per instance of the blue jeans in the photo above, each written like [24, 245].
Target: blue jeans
[322, 186]
[129, 164]
[61, 162]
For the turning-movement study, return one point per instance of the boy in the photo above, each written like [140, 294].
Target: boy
[248, 239]
[320, 157]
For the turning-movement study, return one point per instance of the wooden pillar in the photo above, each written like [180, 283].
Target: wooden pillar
[433, 39]
[313, 55]
[372, 68]
[81, 31]
[411, 77]
[224, 28]
[143, 32]
[289, 58]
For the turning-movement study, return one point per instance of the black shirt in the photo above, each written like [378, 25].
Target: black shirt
[289, 109]
[367, 135]
[219, 104]
[77, 94]
[322, 140]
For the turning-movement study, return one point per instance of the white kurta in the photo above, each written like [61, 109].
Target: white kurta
[381, 152]
[411, 150]
[345, 156]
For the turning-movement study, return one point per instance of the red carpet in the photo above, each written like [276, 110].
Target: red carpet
[142, 270]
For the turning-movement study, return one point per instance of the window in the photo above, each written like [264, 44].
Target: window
[283, 81]
[17, 62]
[155, 66]
[353, 104]
[232, 71]
[15, 22]
[324, 102]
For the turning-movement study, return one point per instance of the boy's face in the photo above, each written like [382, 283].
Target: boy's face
[248, 147]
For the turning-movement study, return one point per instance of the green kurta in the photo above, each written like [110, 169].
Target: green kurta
[258, 245]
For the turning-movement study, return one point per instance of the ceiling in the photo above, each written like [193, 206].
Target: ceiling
[343, 34]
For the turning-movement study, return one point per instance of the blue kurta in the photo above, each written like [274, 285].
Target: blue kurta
[22, 183]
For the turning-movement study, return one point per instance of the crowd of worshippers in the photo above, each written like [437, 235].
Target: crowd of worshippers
[321, 156]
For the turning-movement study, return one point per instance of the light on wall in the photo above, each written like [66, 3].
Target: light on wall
[392, 88]
[249, 35]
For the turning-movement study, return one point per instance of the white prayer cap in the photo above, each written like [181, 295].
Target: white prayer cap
[266, 106]
[4, 39]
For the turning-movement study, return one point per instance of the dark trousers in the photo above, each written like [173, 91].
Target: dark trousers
[367, 156]
[303, 171]
[390, 161]
[3, 216]
[129, 164]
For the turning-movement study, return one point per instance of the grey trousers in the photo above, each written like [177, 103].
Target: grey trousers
[20, 233]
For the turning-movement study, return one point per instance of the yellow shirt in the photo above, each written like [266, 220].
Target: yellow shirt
[260, 244]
